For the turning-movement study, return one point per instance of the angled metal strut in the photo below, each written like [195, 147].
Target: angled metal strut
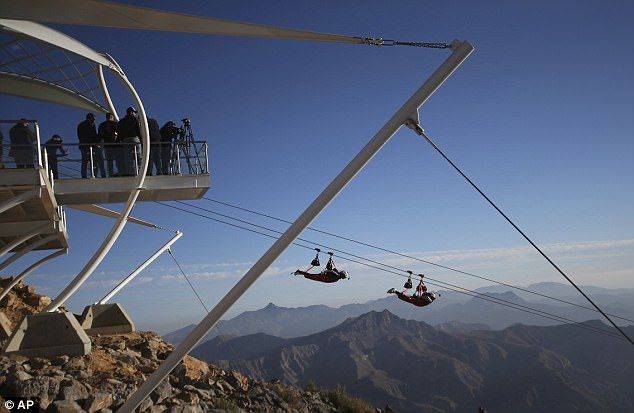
[460, 51]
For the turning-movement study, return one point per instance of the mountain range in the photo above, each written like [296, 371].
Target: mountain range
[451, 310]
[415, 367]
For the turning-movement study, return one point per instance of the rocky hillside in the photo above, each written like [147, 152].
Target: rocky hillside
[22, 300]
[118, 364]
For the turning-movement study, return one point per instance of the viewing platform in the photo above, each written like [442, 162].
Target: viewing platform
[131, 159]
[28, 206]
[32, 200]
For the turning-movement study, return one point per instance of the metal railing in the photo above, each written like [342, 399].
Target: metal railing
[99, 160]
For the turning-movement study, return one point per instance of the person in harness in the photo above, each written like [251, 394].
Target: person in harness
[329, 275]
[420, 298]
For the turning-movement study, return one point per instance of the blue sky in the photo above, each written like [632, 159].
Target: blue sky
[539, 117]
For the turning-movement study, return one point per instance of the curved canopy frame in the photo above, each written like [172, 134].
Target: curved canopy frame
[38, 89]
[39, 63]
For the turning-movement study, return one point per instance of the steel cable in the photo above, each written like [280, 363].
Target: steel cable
[435, 282]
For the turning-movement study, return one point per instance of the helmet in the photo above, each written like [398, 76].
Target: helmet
[343, 274]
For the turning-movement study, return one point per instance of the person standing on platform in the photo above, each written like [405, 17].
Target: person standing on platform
[54, 149]
[155, 147]
[107, 132]
[1, 148]
[23, 142]
[129, 132]
[91, 151]
[169, 131]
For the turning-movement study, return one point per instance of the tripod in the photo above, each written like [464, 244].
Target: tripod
[185, 148]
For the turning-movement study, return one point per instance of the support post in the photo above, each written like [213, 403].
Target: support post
[460, 51]
[17, 200]
[48, 335]
[103, 318]
[23, 238]
[26, 249]
[29, 270]
[140, 268]
[114, 233]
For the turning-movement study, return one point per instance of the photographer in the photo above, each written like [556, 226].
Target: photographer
[155, 147]
[169, 132]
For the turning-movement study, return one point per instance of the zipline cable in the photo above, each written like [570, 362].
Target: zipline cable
[222, 335]
[321, 245]
[188, 282]
[418, 130]
[486, 297]
[448, 286]
[402, 255]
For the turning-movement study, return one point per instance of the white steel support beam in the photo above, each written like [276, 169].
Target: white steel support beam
[460, 51]
[140, 268]
[114, 233]
[26, 249]
[17, 200]
[24, 238]
[29, 270]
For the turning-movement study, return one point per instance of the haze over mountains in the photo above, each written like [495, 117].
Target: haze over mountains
[415, 367]
[454, 355]
[453, 310]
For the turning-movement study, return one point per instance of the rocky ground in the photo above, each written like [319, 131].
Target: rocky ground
[118, 364]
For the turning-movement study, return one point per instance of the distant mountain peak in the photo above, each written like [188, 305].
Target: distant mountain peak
[379, 316]
[384, 321]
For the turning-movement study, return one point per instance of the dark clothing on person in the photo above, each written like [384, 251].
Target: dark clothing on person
[169, 131]
[155, 147]
[91, 152]
[1, 149]
[129, 132]
[54, 149]
[22, 145]
[107, 132]
[129, 127]
[86, 132]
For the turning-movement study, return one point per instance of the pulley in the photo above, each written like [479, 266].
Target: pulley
[408, 283]
[315, 261]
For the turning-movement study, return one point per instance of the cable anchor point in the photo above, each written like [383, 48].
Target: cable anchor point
[375, 41]
[415, 126]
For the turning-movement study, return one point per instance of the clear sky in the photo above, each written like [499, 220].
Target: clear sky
[540, 117]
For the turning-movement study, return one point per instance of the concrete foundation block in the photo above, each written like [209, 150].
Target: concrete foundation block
[5, 327]
[48, 335]
[106, 319]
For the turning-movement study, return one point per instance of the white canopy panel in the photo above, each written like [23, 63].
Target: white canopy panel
[31, 88]
[40, 63]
